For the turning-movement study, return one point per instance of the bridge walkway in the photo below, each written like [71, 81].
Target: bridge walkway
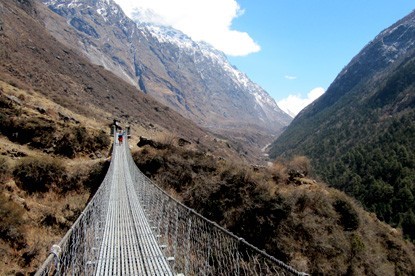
[132, 227]
[129, 247]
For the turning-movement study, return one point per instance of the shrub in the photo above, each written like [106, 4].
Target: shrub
[349, 218]
[151, 166]
[11, 223]
[4, 169]
[279, 172]
[96, 176]
[38, 174]
[30, 255]
[7, 120]
[101, 140]
[38, 132]
[76, 140]
[259, 219]
[72, 141]
[300, 164]
[67, 145]
[168, 140]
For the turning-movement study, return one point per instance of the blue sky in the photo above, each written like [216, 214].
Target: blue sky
[294, 49]
[305, 43]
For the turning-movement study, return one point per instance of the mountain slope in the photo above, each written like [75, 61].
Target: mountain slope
[35, 61]
[360, 134]
[192, 78]
[304, 223]
[42, 81]
[55, 109]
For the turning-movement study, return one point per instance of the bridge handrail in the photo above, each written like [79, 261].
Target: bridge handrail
[135, 170]
[54, 263]
[192, 244]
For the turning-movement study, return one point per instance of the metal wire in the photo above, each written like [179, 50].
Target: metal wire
[132, 227]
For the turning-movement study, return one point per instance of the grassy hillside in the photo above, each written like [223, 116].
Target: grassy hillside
[303, 222]
[50, 165]
[54, 114]
[360, 134]
[364, 145]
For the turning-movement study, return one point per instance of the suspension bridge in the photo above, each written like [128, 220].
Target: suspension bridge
[132, 227]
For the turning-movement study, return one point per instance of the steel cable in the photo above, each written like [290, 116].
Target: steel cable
[132, 227]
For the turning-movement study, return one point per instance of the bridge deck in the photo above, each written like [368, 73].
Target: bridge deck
[113, 235]
[128, 247]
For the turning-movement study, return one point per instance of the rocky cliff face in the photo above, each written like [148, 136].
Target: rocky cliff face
[192, 78]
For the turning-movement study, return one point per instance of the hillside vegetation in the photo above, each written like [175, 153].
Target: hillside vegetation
[50, 165]
[360, 135]
[55, 108]
[300, 221]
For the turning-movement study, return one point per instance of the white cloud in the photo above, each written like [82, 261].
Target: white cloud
[289, 77]
[207, 20]
[293, 104]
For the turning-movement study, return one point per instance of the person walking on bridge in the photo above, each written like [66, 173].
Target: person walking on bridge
[120, 137]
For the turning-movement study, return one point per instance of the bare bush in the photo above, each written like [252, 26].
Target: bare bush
[300, 164]
[4, 169]
[39, 174]
[11, 223]
[279, 172]
[168, 140]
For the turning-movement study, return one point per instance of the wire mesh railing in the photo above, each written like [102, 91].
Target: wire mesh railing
[76, 252]
[195, 245]
[190, 243]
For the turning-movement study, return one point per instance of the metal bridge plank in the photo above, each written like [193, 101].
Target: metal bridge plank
[129, 246]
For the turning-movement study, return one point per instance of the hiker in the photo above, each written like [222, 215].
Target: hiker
[120, 138]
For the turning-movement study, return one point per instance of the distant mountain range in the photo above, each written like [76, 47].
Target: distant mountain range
[33, 60]
[191, 77]
[360, 134]
[55, 104]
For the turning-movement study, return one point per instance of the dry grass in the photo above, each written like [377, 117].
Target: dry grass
[301, 164]
[32, 100]
[45, 216]
[45, 219]
[310, 226]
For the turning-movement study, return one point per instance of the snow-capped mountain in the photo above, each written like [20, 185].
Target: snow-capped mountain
[216, 58]
[191, 77]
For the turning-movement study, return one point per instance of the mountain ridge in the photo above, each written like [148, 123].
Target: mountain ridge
[386, 46]
[45, 84]
[190, 77]
[360, 133]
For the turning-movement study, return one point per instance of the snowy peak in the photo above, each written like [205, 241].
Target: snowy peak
[191, 77]
[217, 58]
[107, 9]
[165, 34]
[398, 39]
